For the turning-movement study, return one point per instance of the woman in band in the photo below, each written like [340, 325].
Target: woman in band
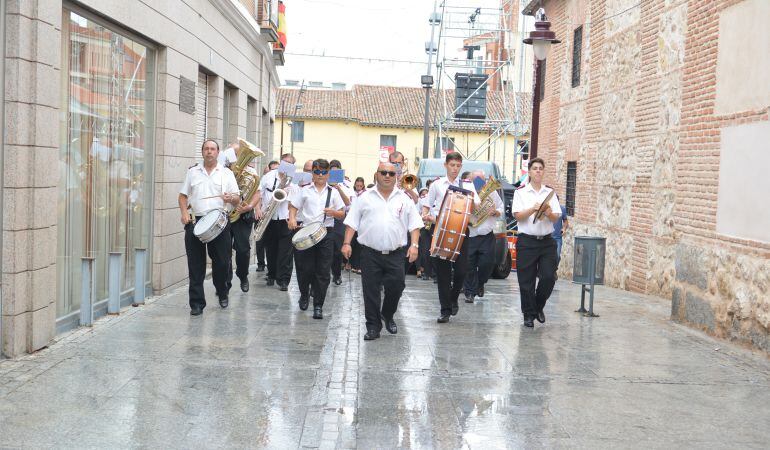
[312, 203]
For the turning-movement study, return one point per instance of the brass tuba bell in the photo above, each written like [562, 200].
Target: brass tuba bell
[409, 181]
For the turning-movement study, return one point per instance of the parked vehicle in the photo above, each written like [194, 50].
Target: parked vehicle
[431, 169]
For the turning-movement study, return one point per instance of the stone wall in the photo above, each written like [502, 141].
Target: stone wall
[643, 130]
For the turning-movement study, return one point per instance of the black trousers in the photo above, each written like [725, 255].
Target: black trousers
[481, 261]
[313, 269]
[241, 231]
[278, 249]
[220, 251]
[535, 259]
[355, 257]
[259, 250]
[424, 260]
[450, 276]
[378, 270]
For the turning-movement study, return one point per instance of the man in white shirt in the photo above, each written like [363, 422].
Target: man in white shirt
[259, 245]
[277, 236]
[481, 247]
[383, 217]
[450, 275]
[316, 202]
[206, 187]
[535, 248]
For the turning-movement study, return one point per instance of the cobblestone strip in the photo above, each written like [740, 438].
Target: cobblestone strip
[330, 424]
[16, 372]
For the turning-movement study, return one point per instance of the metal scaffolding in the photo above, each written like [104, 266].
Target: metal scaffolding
[469, 24]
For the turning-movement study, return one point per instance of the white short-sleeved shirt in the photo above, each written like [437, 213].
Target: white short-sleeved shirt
[227, 156]
[439, 187]
[270, 182]
[488, 225]
[348, 190]
[199, 184]
[525, 198]
[310, 203]
[383, 224]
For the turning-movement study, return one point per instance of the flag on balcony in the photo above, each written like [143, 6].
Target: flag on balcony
[281, 25]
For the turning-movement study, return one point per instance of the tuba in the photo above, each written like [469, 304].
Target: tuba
[279, 196]
[486, 203]
[246, 177]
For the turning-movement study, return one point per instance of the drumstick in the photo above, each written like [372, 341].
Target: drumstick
[219, 196]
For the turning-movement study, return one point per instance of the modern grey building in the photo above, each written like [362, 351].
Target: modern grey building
[106, 105]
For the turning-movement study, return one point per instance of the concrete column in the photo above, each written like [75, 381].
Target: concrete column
[215, 102]
[33, 87]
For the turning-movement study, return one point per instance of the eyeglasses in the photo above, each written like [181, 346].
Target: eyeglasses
[320, 172]
[387, 173]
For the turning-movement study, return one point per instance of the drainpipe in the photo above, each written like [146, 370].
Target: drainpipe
[2, 160]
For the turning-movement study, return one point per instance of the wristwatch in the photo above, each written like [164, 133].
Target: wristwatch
[415, 246]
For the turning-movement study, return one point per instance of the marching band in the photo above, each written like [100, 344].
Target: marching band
[302, 220]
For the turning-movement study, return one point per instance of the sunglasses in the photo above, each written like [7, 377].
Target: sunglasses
[320, 172]
[388, 173]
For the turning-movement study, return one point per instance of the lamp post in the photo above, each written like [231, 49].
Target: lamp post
[427, 80]
[541, 40]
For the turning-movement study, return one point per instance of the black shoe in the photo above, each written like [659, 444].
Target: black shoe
[455, 309]
[529, 323]
[245, 284]
[541, 317]
[391, 326]
[443, 319]
[270, 282]
[260, 267]
[435, 281]
[481, 292]
[425, 276]
[224, 301]
[338, 281]
[303, 302]
[318, 312]
[371, 335]
[283, 286]
[468, 298]
[196, 311]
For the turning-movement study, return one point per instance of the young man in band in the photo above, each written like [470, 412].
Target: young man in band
[536, 249]
[241, 235]
[206, 187]
[450, 275]
[383, 217]
[277, 237]
[260, 244]
[316, 202]
[481, 247]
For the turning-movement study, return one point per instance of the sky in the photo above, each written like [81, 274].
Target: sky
[384, 29]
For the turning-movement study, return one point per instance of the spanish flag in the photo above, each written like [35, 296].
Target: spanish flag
[281, 26]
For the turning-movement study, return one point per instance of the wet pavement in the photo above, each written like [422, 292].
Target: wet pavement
[262, 373]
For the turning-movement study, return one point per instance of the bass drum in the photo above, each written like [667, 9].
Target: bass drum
[211, 225]
[451, 224]
[309, 235]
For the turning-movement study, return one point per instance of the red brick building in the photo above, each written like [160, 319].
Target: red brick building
[657, 113]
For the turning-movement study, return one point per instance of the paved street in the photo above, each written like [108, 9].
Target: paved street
[262, 373]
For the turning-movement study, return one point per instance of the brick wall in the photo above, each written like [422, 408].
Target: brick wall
[643, 130]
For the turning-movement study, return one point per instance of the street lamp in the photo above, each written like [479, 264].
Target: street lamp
[541, 40]
[427, 80]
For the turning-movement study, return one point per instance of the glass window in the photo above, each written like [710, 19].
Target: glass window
[571, 187]
[298, 131]
[106, 154]
[577, 46]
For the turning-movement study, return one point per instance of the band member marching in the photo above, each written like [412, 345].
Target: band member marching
[276, 237]
[481, 240]
[536, 249]
[207, 187]
[346, 192]
[259, 244]
[383, 217]
[450, 275]
[313, 203]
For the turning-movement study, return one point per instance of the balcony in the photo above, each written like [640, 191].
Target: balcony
[267, 17]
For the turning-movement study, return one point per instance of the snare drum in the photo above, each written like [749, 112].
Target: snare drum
[309, 235]
[451, 224]
[211, 225]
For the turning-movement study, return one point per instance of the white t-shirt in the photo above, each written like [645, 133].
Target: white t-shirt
[438, 190]
[525, 198]
[199, 184]
[383, 224]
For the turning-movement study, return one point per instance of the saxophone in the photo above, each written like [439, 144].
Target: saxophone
[246, 177]
[486, 202]
[279, 196]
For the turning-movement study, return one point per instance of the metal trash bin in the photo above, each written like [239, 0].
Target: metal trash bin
[588, 268]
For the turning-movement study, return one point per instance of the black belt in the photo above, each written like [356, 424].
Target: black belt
[532, 236]
[384, 252]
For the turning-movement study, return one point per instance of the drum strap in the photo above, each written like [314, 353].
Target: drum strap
[328, 199]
